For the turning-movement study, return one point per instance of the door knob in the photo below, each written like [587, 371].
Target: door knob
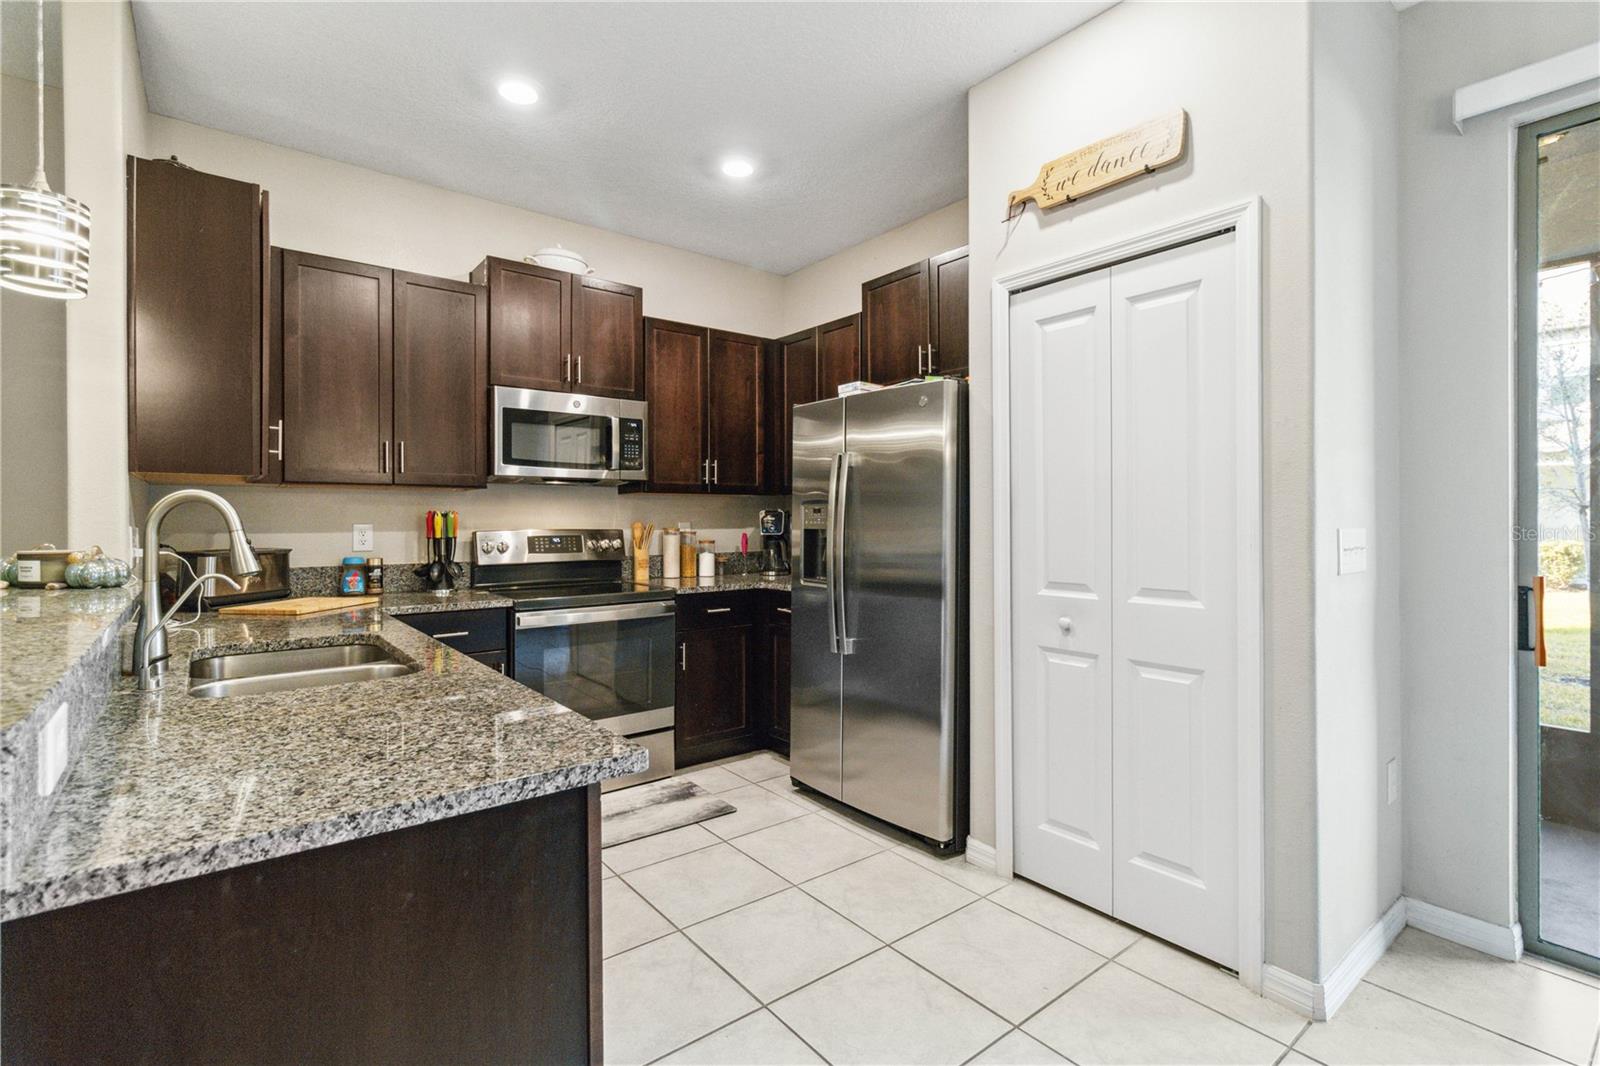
[1065, 623]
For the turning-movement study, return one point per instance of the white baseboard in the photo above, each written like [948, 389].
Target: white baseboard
[980, 854]
[1361, 957]
[1319, 1001]
[1501, 941]
[1291, 990]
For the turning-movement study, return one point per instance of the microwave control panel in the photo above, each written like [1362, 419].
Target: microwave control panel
[632, 430]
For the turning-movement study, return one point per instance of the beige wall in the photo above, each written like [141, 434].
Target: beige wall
[103, 112]
[33, 351]
[1457, 446]
[1241, 71]
[831, 288]
[1356, 185]
[318, 205]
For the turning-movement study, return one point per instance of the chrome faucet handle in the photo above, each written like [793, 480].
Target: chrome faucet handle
[150, 676]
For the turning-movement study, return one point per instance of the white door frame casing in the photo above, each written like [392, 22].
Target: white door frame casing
[1244, 219]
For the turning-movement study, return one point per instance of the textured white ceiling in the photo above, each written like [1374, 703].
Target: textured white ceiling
[854, 113]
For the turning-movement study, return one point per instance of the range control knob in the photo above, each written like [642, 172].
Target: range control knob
[502, 547]
[611, 544]
[591, 544]
[486, 547]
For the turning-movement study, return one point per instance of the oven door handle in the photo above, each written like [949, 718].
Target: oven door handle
[623, 613]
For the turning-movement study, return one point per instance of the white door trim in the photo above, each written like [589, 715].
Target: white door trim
[1245, 219]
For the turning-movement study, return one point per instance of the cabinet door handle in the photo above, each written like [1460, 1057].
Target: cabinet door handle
[683, 657]
[402, 457]
[385, 466]
[718, 610]
[501, 667]
[930, 359]
[714, 464]
[580, 370]
[919, 359]
[705, 471]
[785, 610]
[456, 633]
[566, 368]
[276, 427]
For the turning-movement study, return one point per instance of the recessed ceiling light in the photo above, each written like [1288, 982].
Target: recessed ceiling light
[519, 92]
[738, 168]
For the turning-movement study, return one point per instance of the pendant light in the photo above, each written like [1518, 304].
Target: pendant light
[44, 236]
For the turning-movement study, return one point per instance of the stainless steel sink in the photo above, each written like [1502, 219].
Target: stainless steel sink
[255, 672]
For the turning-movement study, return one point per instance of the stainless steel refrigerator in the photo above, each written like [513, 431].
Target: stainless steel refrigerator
[879, 641]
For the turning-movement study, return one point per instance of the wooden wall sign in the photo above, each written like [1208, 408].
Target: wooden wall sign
[1140, 150]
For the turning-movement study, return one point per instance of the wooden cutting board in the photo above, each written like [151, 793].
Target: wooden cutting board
[301, 605]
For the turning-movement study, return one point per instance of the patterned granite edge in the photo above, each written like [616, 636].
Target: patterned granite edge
[171, 786]
[31, 637]
[47, 895]
[400, 604]
[723, 583]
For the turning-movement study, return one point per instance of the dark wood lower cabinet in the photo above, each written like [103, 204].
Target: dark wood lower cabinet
[470, 939]
[733, 675]
[775, 637]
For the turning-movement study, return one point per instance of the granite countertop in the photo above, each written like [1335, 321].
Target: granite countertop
[44, 633]
[170, 786]
[722, 583]
[404, 603]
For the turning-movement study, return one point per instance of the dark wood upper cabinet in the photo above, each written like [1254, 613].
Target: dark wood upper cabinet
[197, 281]
[706, 389]
[676, 374]
[607, 338]
[562, 332]
[337, 370]
[948, 279]
[530, 326]
[440, 380]
[793, 381]
[894, 324]
[914, 320]
[734, 412]
[838, 355]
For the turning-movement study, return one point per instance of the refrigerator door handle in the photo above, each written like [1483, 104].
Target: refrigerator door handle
[847, 643]
[830, 560]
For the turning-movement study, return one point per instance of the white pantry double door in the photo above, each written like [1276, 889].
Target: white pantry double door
[1125, 515]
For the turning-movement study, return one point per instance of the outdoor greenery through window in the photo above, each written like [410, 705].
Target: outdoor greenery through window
[1567, 390]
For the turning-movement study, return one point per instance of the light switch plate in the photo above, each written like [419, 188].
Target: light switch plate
[53, 750]
[1352, 551]
[361, 538]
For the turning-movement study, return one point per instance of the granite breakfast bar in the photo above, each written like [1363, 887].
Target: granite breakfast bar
[243, 878]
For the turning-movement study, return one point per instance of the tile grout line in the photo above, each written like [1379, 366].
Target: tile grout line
[969, 1059]
[1469, 1021]
[696, 1040]
[1575, 976]
[1201, 1003]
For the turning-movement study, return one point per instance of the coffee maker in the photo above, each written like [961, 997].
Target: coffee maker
[774, 524]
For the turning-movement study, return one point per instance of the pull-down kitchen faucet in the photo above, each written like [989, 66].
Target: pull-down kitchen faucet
[150, 638]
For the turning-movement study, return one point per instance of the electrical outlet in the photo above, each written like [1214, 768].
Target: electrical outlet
[361, 538]
[1394, 780]
[53, 751]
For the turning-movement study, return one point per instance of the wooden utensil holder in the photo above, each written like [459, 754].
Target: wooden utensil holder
[641, 565]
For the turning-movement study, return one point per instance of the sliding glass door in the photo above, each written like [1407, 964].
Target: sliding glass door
[1558, 565]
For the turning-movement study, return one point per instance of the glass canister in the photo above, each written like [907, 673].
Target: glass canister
[686, 561]
[706, 567]
[353, 576]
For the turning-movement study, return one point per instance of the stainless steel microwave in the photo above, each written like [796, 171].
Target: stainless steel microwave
[567, 436]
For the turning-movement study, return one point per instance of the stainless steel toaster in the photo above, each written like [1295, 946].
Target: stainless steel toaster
[271, 584]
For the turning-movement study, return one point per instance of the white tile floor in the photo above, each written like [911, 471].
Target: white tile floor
[795, 932]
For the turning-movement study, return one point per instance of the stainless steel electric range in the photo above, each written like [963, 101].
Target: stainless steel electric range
[586, 635]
